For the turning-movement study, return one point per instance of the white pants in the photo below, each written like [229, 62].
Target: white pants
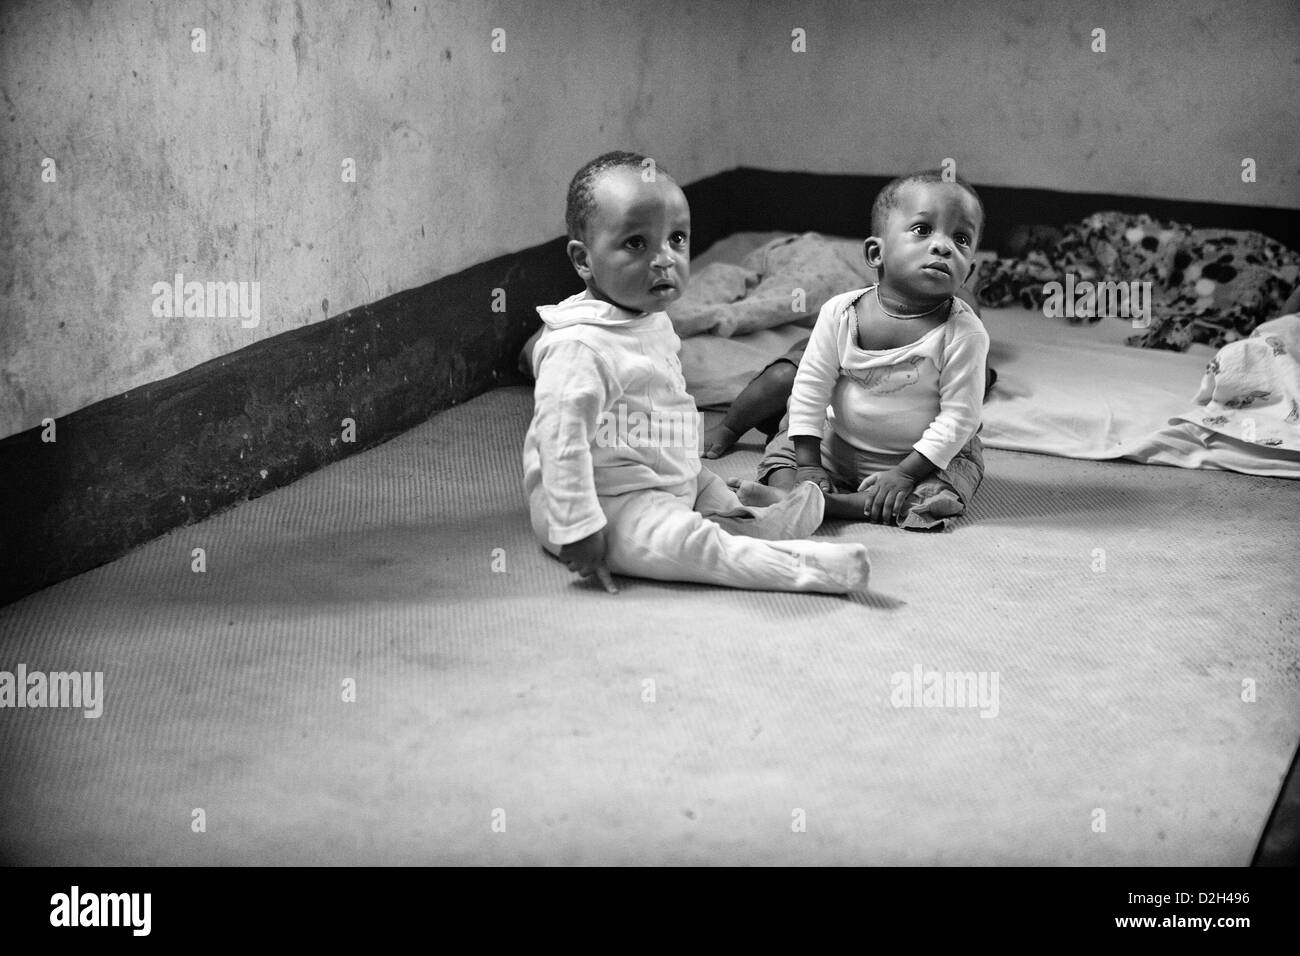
[703, 533]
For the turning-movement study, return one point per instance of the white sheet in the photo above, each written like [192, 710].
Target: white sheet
[1078, 390]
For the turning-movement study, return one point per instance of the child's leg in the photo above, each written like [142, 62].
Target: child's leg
[777, 466]
[657, 535]
[795, 515]
[761, 405]
[776, 472]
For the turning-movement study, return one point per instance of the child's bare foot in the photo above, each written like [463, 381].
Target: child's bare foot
[719, 440]
[755, 495]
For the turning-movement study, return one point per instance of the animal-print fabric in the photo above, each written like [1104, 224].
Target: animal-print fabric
[1207, 285]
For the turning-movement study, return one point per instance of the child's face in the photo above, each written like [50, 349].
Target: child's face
[928, 249]
[637, 253]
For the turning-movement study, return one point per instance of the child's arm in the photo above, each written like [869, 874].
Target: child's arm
[819, 370]
[571, 393]
[961, 396]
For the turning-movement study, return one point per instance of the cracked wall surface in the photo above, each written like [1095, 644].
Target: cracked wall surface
[228, 165]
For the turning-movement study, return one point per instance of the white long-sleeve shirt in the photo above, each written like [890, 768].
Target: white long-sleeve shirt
[925, 396]
[611, 412]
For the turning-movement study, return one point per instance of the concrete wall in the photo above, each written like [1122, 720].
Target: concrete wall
[1012, 90]
[226, 165]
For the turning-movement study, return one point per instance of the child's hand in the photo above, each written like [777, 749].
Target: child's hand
[887, 494]
[817, 475]
[587, 557]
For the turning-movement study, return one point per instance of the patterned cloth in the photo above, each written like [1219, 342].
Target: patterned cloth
[1208, 285]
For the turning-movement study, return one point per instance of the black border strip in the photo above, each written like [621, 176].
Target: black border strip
[1279, 843]
[840, 205]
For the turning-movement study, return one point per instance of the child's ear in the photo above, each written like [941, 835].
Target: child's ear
[580, 258]
[873, 250]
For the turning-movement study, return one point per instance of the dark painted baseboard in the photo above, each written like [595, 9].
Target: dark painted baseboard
[127, 469]
[841, 206]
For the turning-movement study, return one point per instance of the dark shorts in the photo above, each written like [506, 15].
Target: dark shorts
[931, 505]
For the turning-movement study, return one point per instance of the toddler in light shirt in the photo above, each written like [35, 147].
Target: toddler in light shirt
[886, 402]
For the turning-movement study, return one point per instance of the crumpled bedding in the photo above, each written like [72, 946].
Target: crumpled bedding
[1246, 414]
[787, 279]
[1211, 286]
[1251, 389]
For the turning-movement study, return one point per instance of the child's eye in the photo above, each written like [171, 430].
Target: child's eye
[963, 238]
[680, 238]
[921, 229]
[636, 242]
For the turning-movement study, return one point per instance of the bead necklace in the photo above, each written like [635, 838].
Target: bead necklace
[919, 315]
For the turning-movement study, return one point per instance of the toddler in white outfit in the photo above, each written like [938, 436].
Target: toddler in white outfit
[612, 456]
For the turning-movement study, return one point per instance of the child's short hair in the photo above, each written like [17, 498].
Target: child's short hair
[581, 199]
[887, 200]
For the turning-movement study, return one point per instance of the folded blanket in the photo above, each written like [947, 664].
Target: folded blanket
[785, 280]
[1208, 285]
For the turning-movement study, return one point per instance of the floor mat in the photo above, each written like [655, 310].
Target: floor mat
[378, 665]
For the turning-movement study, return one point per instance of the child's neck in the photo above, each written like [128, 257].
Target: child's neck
[593, 293]
[899, 305]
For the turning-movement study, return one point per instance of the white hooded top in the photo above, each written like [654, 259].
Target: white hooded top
[611, 412]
